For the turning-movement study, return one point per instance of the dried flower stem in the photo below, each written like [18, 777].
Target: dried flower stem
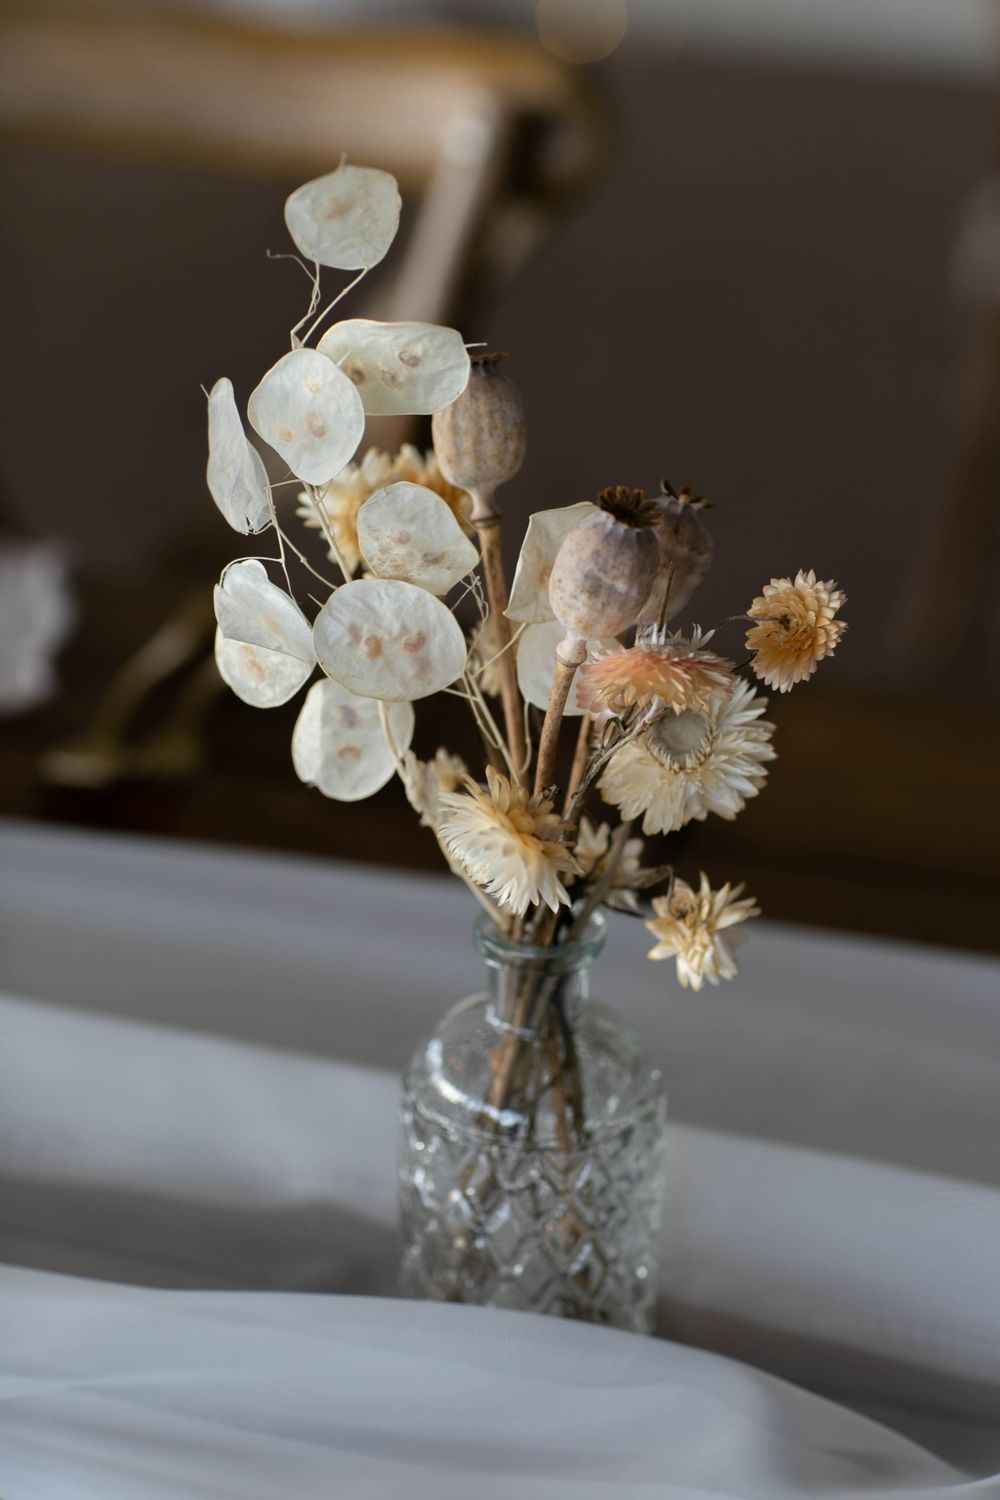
[327, 531]
[661, 618]
[580, 758]
[548, 744]
[601, 887]
[488, 528]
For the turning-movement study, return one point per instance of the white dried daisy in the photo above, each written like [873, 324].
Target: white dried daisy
[507, 843]
[344, 496]
[796, 628]
[690, 764]
[426, 781]
[688, 926]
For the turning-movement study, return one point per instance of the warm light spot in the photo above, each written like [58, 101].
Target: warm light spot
[581, 31]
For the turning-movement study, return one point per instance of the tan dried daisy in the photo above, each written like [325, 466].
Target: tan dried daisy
[344, 496]
[507, 843]
[687, 765]
[688, 926]
[426, 781]
[797, 628]
[666, 668]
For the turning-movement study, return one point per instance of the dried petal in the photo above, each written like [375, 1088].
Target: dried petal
[407, 531]
[536, 665]
[237, 479]
[252, 609]
[347, 219]
[339, 744]
[310, 413]
[400, 369]
[387, 639]
[529, 595]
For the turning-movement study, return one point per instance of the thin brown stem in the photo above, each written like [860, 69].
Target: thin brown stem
[496, 592]
[581, 755]
[548, 743]
[661, 618]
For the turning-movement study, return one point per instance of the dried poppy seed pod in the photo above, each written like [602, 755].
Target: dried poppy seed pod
[686, 549]
[604, 570]
[479, 439]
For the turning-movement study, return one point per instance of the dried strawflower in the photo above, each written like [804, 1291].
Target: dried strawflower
[796, 630]
[346, 219]
[407, 531]
[391, 640]
[426, 781]
[687, 765]
[310, 413]
[671, 669]
[688, 926]
[686, 549]
[593, 842]
[339, 742]
[341, 500]
[479, 438]
[264, 644]
[237, 478]
[604, 569]
[399, 369]
[529, 594]
[507, 843]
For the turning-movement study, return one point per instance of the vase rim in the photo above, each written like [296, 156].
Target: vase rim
[499, 950]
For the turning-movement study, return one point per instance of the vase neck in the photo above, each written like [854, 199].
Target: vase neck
[524, 982]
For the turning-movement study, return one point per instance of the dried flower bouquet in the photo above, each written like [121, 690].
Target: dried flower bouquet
[667, 730]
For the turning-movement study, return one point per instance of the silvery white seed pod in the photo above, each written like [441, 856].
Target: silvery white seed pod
[479, 439]
[605, 569]
[685, 544]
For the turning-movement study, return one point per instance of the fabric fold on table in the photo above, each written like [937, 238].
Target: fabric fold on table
[113, 1393]
[144, 1153]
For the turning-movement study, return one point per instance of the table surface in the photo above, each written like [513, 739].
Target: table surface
[200, 1067]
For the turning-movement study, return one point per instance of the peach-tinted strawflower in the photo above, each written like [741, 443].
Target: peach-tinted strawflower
[796, 630]
[667, 668]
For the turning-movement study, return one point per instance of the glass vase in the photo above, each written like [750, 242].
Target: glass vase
[531, 1163]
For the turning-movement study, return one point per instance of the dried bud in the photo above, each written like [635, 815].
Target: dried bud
[605, 568]
[685, 545]
[479, 438]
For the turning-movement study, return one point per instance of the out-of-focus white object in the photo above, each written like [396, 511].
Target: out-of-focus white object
[975, 266]
[36, 612]
[127, 1393]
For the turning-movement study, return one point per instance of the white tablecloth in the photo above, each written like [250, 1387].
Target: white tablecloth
[197, 1089]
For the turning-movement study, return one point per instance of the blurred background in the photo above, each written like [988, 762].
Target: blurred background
[751, 247]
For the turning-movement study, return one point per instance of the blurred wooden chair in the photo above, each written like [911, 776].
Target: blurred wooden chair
[489, 137]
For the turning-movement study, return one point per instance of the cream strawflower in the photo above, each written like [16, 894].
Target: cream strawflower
[797, 628]
[688, 926]
[507, 843]
[426, 781]
[690, 764]
[592, 844]
[667, 668]
[344, 496]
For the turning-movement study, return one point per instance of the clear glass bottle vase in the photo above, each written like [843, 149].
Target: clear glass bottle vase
[531, 1163]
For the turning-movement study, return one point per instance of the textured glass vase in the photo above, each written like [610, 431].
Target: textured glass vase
[531, 1164]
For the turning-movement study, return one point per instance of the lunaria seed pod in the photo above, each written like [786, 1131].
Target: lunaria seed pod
[479, 438]
[604, 570]
[686, 547]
